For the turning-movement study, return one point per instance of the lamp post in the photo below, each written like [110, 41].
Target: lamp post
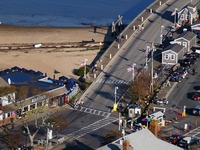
[133, 69]
[85, 66]
[161, 34]
[116, 88]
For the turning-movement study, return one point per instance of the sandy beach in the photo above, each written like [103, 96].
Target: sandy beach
[48, 60]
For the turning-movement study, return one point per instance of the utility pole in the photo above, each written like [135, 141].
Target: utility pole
[152, 50]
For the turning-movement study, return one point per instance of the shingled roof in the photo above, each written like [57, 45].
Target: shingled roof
[174, 47]
[187, 35]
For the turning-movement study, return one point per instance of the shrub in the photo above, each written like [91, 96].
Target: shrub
[80, 71]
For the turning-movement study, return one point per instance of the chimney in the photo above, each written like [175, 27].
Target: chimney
[154, 127]
[126, 145]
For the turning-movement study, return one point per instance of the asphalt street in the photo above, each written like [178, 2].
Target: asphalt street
[101, 96]
[182, 96]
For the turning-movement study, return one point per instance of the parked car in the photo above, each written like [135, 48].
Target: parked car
[186, 142]
[175, 78]
[161, 101]
[193, 55]
[196, 110]
[196, 96]
[188, 61]
[174, 139]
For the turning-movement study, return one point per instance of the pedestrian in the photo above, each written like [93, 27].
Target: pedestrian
[190, 127]
[185, 127]
[82, 102]
[142, 27]
[193, 70]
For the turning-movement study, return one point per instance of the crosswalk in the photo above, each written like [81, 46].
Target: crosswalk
[194, 133]
[93, 111]
[92, 127]
[110, 81]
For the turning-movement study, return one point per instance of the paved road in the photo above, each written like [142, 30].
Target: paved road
[101, 96]
[182, 96]
[99, 100]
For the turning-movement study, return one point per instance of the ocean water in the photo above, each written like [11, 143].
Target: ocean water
[69, 13]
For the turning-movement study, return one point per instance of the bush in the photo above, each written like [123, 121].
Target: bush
[80, 71]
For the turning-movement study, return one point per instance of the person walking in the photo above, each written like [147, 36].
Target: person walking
[190, 127]
[185, 127]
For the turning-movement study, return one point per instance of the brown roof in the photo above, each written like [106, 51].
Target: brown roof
[3, 83]
[187, 35]
[50, 94]
[174, 47]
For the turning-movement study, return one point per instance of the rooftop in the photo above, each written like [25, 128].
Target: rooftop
[141, 140]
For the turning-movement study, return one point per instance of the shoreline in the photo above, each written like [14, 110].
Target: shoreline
[19, 34]
[46, 60]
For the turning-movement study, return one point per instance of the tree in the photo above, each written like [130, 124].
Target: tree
[80, 71]
[140, 87]
[59, 122]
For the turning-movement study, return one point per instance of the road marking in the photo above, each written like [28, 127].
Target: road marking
[92, 127]
[93, 111]
[110, 81]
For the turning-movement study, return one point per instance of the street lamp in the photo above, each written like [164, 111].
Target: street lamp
[116, 88]
[85, 66]
[133, 73]
[161, 34]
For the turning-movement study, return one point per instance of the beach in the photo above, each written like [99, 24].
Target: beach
[47, 60]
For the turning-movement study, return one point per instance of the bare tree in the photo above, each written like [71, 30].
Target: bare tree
[140, 87]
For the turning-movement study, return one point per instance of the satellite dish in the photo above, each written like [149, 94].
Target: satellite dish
[9, 81]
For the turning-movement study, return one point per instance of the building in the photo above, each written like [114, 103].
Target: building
[37, 91]
[186, 39]
[188, 15]
[7, 112]
[140, 140]
[159, 117]
[134, 110]
[172, 54]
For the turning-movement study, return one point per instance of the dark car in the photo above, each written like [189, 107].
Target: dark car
[174, 139]
[196, 112]
[175, 77]
[188, 61]
[193, 55]
[186, 142]
[196, 96]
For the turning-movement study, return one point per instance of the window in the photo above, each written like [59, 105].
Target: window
[39, 104]
[25, 108]
[172, 57]
[185, 44]
[182, 17]
[8, 114]
[32, 106]
[9, 98]
[166, 56]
